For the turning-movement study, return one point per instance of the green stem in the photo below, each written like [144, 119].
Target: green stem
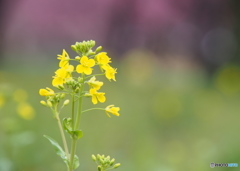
[93, 109]
[75, 127]
[62, 135]
[73, 106]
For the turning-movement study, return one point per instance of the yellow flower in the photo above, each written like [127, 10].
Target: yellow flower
[95, 84]
[2, 100]
[85, 66]
[25, 110]
[97, 96]
[102, 58]
[113, 110]
[64, 58]
[110, 72]
[62, 75]
[46, 92]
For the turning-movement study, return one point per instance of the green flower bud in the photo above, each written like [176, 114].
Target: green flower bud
[98, 156]
[112, 162]
[91, 53]
[102, 161]
[116, 165]
[94, 157]
[60, 87]
[49, 103]
[66, 102]
[99, 48]
[99, 168]
[73, 47]
[62, 95]
[43, 103]
[77, 57]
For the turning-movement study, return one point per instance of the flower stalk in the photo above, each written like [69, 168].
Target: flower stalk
[71, 81]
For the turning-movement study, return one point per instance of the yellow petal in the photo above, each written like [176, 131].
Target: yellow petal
[91, 62]
[57, 81]
[101, 97]
[88, 71]
[80, 69]
[94, 99]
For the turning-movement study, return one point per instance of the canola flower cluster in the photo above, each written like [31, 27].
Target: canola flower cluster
[64, 76]
[71, 80]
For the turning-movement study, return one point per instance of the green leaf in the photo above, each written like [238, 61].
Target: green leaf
[67, 125]
[75, 162]
[58, 149]
[77, 134]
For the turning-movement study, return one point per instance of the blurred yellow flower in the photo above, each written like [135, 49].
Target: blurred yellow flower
[46, 92]
[20, 95]
[113, 110]
[85, 66]
[102, 58]
[64, 58]
[25, 110]
[95, 84]
[110, 72]
[97, 96]
[2, 100]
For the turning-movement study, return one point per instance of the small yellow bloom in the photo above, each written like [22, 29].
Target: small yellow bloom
[102, 58]
[46, 92]
[25, 110]
[113, 110]
[97, 96]
[64, 58]
[2, 100]
[62, 75]
[95, 84]
[85, 66]
[110, 72]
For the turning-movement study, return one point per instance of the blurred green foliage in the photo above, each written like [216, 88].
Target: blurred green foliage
[172, 118]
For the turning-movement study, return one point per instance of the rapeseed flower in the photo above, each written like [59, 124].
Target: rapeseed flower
[97, 96]
[113, 110]
[102, 58]
[46, 92]
[62, 75]
[85, 66]
[64, 58]
[110, 72]
[95, 84]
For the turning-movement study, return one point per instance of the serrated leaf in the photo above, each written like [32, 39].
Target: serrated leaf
[58, 149]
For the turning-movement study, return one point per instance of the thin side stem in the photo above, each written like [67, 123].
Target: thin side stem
[63, 136]
[73, 106]
[93, 109]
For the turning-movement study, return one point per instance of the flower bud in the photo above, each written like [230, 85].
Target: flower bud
[116, 165]
[112, 162]
[49, 103]
[66, 102]
[43, 103]
[99, 168]
[73, 47]
[98, 156]
[99, 48]
[94, 157]
[60, 87]
[62, 95]
[77, 57]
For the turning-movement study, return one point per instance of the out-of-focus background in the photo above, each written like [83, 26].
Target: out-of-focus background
[178, 82]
